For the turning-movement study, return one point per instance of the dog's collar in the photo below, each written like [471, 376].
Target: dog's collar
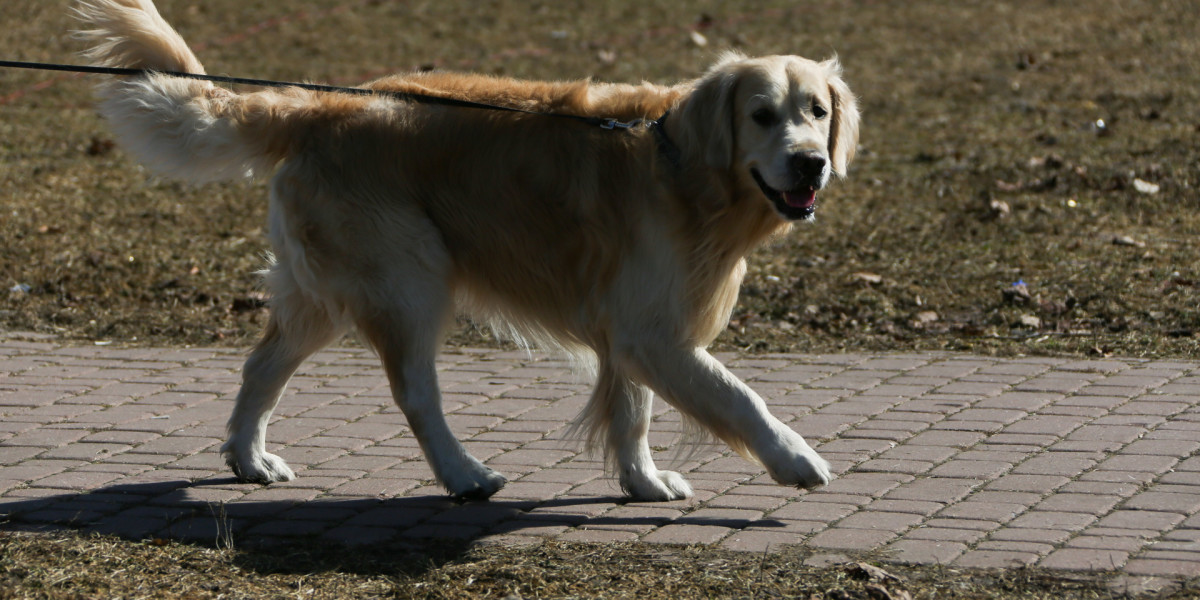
[665, 146]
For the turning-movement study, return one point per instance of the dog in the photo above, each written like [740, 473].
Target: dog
[386, 216]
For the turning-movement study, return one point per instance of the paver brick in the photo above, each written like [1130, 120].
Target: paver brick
[675, 533]
[47, 438]
[1048, 425]
[981, 470]
[1127, 544]
[955, 439]
[880, 520]
[1000, 512]
[1145, 463]
[926, 552]
[859, 483]
[945, 534]
[1021, 546]
[85, 451]
[1182, 503]
[1140, 519]
[599, 536]
[996, 559]
[1027, 483]
[925, 454]
[76, 480]
[1139, 478]
[760, 541]
[916, 507]
[1046, 519]
[945, 490]
[1094, 504]
[1055, 463]
[1173, 568]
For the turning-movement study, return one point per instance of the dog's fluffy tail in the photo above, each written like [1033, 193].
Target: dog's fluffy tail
[182, 128]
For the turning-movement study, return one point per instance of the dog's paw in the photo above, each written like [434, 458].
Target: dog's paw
[803, 468]
[658, 486]
[475, 484]
[263, 468]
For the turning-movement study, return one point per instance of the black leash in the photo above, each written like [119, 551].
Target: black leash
[601, 122]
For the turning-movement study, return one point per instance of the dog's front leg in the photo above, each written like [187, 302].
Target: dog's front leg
[624, 406]
[699, 386]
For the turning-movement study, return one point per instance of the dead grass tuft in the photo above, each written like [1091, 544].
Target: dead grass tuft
[73, 566]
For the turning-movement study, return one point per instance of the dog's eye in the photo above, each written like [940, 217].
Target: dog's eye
[764, 117]
[819, 111]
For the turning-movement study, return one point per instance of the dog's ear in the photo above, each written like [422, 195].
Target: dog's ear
[843, 128]
[705, 123]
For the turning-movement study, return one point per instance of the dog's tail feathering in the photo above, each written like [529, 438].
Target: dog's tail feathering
[181, 128]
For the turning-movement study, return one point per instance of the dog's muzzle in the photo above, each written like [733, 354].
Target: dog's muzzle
[796, 204]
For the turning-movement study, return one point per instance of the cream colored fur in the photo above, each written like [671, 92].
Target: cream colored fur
[386, 216]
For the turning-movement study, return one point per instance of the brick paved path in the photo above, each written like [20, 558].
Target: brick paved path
[942, 458]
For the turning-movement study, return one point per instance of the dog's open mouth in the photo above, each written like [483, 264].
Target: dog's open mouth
[795, 205]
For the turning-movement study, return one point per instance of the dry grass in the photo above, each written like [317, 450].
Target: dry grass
[78, 566]
[983, 165]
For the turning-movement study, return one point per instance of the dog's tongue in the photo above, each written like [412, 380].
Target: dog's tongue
[801, 199]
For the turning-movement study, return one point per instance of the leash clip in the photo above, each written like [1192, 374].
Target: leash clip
[615, 124]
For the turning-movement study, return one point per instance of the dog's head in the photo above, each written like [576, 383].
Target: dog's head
[783, 122]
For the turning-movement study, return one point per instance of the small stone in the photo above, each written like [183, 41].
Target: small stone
[1124, 240]
[1145, 187]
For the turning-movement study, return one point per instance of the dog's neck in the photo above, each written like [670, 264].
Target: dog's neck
[666, 147]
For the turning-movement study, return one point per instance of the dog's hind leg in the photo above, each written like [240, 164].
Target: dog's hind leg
[406, 338]
[700, 387]
[629, 405]
[295, 331]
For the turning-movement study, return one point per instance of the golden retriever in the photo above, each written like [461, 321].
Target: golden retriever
[624, 247]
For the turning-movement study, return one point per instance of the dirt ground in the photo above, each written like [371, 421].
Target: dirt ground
[71, 567]
[1027, 181]
[1026, 184]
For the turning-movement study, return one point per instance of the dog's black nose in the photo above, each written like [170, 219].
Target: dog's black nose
[808, 165]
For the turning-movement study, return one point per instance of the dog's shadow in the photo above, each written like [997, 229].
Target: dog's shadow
[435, 528]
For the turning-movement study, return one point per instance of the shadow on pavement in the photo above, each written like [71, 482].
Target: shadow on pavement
[172, 510]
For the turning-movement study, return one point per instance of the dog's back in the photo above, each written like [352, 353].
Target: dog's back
[522, 203]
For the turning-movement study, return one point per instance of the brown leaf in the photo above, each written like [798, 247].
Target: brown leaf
[252, 301]
[1030, 321]
[999, 209]
[1050, 161]
[100, 146]
[878, 592]
[924, 319]
[1005, 186]
[869, 572]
